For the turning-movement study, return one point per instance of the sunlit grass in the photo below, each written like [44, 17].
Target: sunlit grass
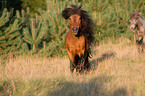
[116, 70]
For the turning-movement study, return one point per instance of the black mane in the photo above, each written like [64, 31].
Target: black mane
[135, 15]
[86, 24]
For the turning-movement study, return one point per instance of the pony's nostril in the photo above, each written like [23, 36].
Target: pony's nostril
[75, 28]
[132, 28]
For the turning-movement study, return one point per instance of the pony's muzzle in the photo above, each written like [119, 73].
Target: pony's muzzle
[132, 28]
[75, 30]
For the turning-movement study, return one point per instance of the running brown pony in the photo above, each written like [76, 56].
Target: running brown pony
[79, 37]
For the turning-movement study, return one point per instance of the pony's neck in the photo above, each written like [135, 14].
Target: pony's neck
[140, 22]
[79, 33]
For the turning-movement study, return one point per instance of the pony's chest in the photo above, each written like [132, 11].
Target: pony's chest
[76, 43]
[141, 31]
[78, 46]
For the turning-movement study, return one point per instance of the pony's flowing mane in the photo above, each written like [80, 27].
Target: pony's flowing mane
[86, 21]
[134, 15]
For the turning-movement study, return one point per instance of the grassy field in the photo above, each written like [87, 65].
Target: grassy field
[117, 69]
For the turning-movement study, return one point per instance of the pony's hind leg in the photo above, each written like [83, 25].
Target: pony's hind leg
[77, 62]
[139, 45]
[81, 62]
[87, 64]
[143, 44]
[142, 48]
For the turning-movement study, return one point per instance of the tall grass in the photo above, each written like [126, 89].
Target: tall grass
[116, 70]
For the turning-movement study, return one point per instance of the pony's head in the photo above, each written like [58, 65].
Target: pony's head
[133, 20]
[75, 23]
[74, 14]
[80, 22]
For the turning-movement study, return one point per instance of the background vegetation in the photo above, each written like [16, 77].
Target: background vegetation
[39, 28]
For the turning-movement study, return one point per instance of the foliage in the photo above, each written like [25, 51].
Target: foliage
[10, 4]
[34, 5]
[34, 32]
[42, 30]
[10, 37]
[16, 4]
[57, 29]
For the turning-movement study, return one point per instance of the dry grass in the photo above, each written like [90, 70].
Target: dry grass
[116, 70]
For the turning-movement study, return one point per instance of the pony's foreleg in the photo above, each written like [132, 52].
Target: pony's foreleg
[72, 61]
[81, 63]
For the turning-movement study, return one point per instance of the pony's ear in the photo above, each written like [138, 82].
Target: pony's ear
[139, 13]
[66, 13]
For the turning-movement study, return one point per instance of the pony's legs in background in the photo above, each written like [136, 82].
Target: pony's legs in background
[140, 42]
[143, 44]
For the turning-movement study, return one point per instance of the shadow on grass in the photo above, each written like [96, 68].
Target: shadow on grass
[62, 87]
[94, 87]
[105, 56]
[120, 92]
